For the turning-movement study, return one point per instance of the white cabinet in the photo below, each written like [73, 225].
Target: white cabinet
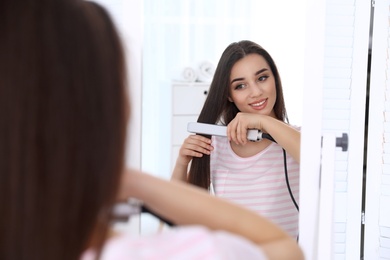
[187, 101]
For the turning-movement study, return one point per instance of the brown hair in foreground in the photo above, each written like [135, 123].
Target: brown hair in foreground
[62, 127]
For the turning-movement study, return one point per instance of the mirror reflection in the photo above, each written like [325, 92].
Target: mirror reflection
[182, 36]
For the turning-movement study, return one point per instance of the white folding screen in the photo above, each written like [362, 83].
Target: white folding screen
[377, 220]
[339, 61]
[344, 95]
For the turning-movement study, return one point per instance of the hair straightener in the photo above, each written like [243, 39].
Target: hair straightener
[253, 135]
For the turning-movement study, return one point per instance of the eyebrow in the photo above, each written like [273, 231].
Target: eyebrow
[257, 73]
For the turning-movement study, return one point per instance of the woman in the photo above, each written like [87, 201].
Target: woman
[63, 124]
[246, 93]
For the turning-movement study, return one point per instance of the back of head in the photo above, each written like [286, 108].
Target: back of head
[62, 126]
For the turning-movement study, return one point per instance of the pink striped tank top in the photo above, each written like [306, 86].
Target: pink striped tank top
[257, 182]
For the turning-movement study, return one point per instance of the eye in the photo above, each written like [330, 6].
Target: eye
[239, 86]
[262, 78]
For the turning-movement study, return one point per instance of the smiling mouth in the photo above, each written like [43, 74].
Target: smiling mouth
[258, 104]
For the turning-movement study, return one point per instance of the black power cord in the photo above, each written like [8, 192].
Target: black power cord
[145, 209]
[288, 184]
[269, 137]
[287, 181]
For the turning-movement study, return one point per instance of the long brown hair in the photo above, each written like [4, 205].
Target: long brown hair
[62, 127]
[218, 109]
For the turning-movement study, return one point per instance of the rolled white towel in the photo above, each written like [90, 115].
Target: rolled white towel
[184, 74]
[206, 71]
[189, 74]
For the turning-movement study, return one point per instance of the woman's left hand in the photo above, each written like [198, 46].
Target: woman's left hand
[237, 128]
[285, 135]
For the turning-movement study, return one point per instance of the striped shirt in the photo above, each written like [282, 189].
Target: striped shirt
[257, 182]
[181, 243]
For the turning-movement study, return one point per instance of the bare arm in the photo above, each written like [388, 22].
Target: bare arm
[285, 135]
[186, 205]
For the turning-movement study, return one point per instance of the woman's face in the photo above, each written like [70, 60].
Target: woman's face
[252, 85]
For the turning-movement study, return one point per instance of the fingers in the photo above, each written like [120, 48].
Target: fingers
[194, 146]
[237, 129]
[237, 132]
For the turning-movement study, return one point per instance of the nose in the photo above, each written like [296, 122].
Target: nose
[256, 89]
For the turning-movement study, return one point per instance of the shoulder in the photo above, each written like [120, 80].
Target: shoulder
[180, 243]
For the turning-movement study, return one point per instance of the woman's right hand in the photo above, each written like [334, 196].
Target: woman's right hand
[193, 146]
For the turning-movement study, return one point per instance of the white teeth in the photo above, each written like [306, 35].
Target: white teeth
[258, 104]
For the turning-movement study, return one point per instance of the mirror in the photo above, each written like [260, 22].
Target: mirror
[178, 34]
